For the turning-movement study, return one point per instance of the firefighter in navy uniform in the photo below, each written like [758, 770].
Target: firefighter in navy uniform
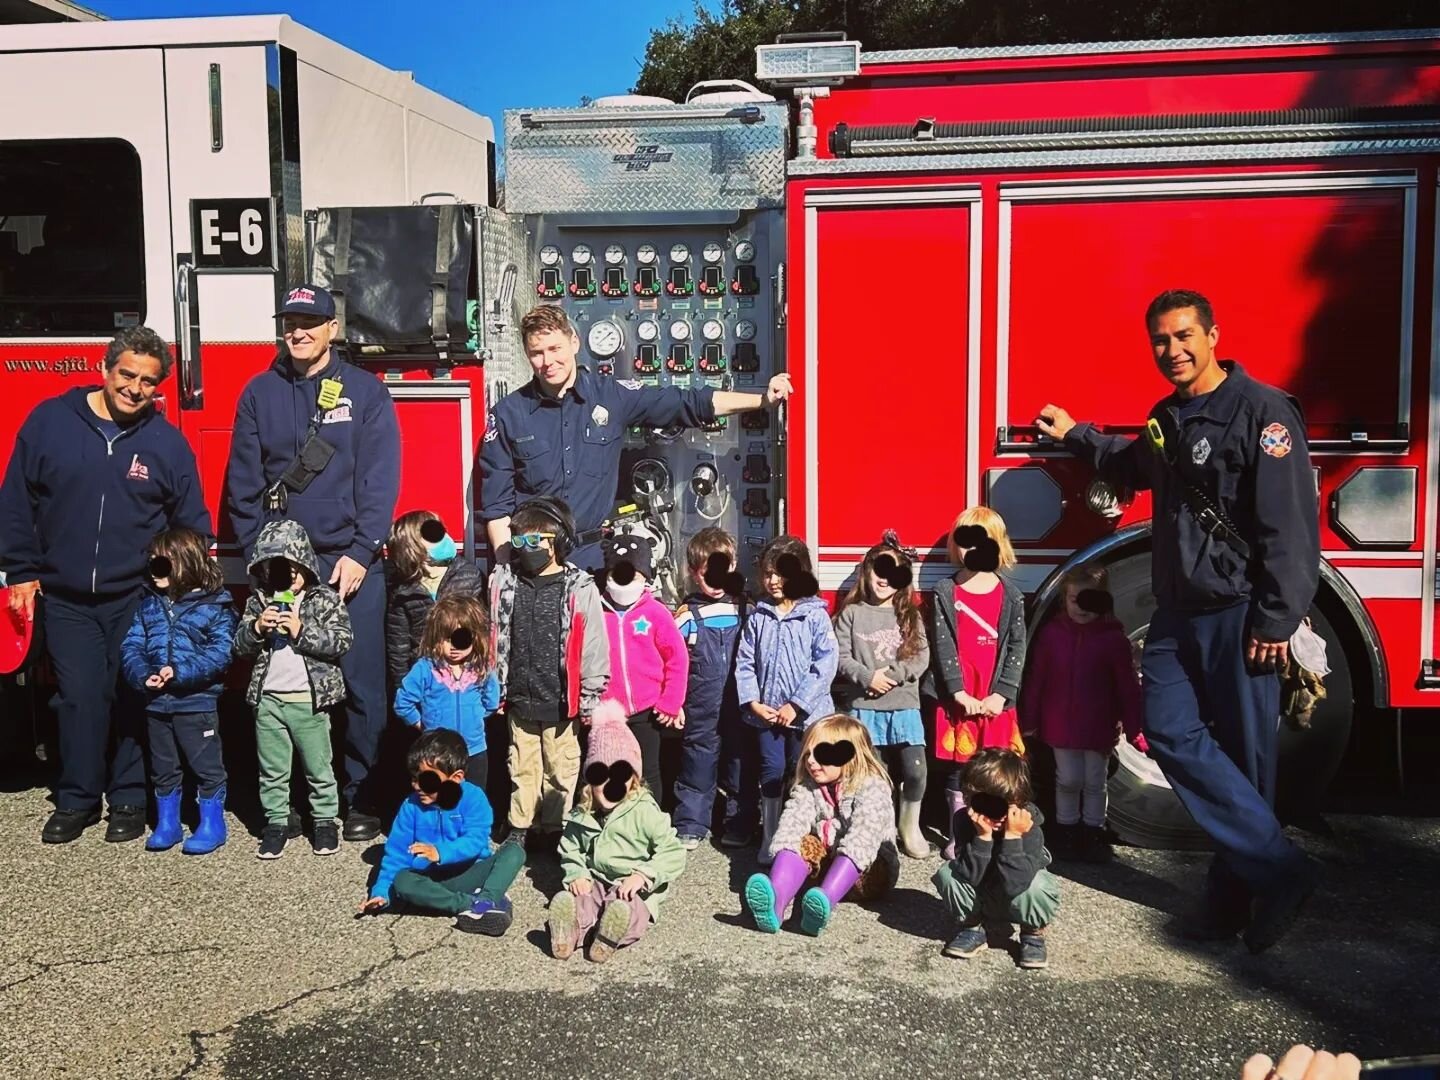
[561, 433]
[1235, 566]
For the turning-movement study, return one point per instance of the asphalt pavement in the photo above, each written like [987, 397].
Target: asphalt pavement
[117, 962]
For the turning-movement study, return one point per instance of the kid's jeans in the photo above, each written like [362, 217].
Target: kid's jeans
[285, 723]
[450, 889]
[180, 739]
[1035, 907]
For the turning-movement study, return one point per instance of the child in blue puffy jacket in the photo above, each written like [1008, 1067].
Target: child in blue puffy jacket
[176, 652]
[438, 855]
[453, 685]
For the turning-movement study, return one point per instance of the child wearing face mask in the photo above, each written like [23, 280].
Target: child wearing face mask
[977, 649]
[649, 664]
[619, 854]
[552, 657]
[838, 826]
[1081, 691]
[453, 684]
[438, 855]
[422, 565]
[883, 654]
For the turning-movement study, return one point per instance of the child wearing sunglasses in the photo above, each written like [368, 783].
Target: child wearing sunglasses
[838, 826]
[438, 855]
[998, 875]
[176, 652]
[453, 685]
[619, 853]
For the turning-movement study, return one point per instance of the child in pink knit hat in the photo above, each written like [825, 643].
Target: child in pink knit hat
[619, 851]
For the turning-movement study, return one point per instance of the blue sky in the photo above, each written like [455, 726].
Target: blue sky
[480, 52]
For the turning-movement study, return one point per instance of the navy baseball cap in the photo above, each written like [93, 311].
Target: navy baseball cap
[308, 300]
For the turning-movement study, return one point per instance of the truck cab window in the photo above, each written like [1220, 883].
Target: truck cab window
[72, 247]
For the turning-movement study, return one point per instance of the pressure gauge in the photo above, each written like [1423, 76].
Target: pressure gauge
[680, 330]
[712, 252]
[745, 330]
[645, 254]
[614, 255]
[713, 330]
[648, 330]
[744, 251]
[605, 338]
[550, 255]
[581, 255]
[679, 253]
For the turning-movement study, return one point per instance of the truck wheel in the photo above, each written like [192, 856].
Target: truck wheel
[1144, 811]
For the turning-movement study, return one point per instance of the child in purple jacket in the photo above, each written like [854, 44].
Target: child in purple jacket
[649, 664]
[1080, 691]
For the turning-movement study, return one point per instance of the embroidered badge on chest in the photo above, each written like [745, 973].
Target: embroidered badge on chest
[1275, 440]
[492, 428]
[1200, 452]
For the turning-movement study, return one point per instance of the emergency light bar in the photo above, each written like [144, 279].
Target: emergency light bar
[811, 63]
[746, 114]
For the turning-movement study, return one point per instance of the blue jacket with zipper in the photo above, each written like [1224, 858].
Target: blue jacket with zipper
[348, 507]
[192, 635]
[425, 701]
[79, 508]
[461, 835]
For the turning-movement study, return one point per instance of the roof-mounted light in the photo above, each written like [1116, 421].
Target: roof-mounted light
[808, 63]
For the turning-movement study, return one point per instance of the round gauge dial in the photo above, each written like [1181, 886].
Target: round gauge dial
[645, 254]
[680, 330]
[580, 256]
[614, 255]
[713, 330]
[745, 330]
[744, 251]
[679, 253]
[712, 252]
[648, 330]
[605, 338]
[549, 255]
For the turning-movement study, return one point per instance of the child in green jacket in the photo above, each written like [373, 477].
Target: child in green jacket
[619, 850]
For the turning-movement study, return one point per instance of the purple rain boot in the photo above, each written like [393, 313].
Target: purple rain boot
[767, 896]
[955, 801]
[819, 902]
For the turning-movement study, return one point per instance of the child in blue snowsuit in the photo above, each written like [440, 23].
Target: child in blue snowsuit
[176, 653]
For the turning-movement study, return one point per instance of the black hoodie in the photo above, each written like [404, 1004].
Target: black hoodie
[78, 508]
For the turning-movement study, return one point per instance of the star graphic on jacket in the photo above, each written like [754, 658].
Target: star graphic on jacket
[641, 625]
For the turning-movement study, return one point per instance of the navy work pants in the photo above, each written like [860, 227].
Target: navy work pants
[99, 720]
[366, 709]
[1213, 726]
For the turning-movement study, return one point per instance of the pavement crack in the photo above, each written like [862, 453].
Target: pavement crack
[199, 1052]
[46, 966]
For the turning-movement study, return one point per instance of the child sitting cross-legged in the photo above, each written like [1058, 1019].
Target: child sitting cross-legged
[438, 856]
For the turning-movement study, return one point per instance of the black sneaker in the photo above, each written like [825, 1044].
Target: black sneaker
[326, 838]
[65, 826]
[360, 827]
[967, 942]
[1032, 950]
[126, 823]
[272, 841]
[1275, 912]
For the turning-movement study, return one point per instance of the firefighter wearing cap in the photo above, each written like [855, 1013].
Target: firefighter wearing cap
[93, 476]
[561, 434]
[1235, 566]
[316, 441]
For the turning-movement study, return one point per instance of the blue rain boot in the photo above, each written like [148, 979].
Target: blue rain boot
[167, 832]
[211, 833]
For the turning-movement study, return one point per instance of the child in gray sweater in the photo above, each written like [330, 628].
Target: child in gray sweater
[883, 654]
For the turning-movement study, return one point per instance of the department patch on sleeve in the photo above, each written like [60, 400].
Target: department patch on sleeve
[631, 384]
[1275, 440]
[492, 429]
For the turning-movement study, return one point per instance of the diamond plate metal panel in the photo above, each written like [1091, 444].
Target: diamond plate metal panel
[504, 297]
[663, 159]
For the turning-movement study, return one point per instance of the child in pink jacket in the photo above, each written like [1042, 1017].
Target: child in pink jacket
[649, 664]
[1080, 691]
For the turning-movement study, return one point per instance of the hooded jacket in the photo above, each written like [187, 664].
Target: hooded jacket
[1081, 687]
[790, 658]
[649, 664]
[348, 507]
[460, 835]
[408, 606]
[325, 633]
[860, 824]
[192, 635]
[584, 648]
[78, 508]
[635, 837]
[429, 698]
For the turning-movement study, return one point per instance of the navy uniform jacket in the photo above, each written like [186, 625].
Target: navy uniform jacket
[1245, 448]
[570, 447]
